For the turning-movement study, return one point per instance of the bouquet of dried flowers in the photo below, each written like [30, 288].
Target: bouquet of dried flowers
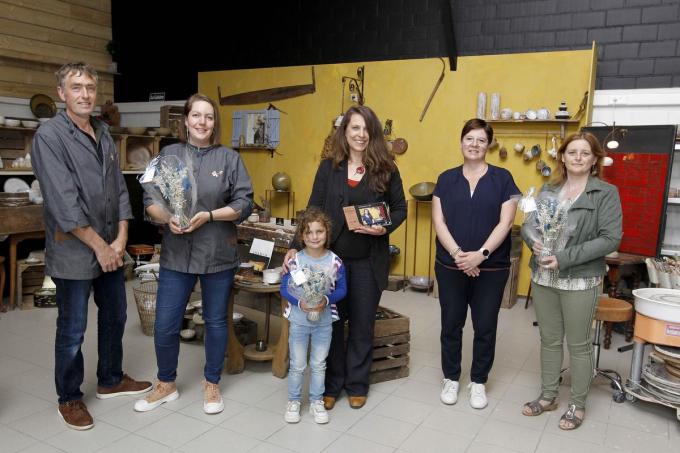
[318, 283]
[547, 217]
[169, 180]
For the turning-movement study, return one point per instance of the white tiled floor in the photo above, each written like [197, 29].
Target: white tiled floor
[400, 416]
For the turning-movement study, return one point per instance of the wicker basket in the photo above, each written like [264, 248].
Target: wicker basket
[145, 296]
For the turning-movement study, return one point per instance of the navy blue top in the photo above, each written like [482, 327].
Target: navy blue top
[471, 220]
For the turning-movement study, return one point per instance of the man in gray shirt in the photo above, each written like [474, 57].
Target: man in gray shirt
[86, 215]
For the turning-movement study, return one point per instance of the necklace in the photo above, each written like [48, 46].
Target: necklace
[360, 170]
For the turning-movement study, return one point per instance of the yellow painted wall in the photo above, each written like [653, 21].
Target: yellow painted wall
[398, 90]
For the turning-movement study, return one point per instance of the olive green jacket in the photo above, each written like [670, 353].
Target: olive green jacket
[597, 218]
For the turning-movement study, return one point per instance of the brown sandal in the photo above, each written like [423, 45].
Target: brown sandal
[536, 408]
[570, 420]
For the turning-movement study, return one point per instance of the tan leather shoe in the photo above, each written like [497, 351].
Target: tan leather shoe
[75, 415]
[357, 402]
[329, 402]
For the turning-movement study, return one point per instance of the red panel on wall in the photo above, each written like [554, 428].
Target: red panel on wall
[641, 180]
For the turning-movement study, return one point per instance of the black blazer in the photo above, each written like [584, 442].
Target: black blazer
[331, 193]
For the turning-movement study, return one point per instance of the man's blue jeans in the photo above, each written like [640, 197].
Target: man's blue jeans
[174, 289]
[298, 340]
[72, 304]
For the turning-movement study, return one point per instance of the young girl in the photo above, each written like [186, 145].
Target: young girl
[315, 272]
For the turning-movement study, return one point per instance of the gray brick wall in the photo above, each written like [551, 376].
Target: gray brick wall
[639, 40]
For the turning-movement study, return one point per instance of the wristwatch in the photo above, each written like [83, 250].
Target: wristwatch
[485, 253]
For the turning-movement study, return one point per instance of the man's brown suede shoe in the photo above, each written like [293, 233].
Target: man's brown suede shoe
[329, 402]
[357, 402]
[75, 415]
[126, 386]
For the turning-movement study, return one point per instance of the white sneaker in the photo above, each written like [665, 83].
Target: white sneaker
[317, 409]
[449, 394]
[163, 392]
[212, 398]
[292, 414]
[477, 395]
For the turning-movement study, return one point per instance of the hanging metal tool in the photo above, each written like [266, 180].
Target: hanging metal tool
[356, 83]
[436, 87]
[268, 94]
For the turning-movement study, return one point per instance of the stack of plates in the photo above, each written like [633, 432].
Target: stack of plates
[661, 383]
[671, 358]
[11, 199]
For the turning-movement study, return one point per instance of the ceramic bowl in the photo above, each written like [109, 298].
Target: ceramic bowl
[420, 281]
[151, 132]
[30, 124]
[531, 114]
[117, 130]
[422, 191]
[187, 334]
[44, 120]
[136, 130]
[12, 122]
[164, 131]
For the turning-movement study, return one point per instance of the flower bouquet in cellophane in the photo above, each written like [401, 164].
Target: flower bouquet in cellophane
[547, 218]
[169, 180]
[317, 284]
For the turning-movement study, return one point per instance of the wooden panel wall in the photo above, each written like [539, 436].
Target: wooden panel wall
[38, 36]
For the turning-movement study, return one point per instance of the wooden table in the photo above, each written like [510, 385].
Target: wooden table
[19, 223]
[236, 353]
[621, 259]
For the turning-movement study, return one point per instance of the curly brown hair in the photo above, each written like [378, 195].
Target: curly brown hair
[378, 161]
[309, 215]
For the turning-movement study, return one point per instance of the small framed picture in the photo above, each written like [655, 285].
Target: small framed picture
[367, 215]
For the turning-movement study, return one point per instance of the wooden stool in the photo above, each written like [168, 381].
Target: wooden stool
[610, 310]
[2, 282]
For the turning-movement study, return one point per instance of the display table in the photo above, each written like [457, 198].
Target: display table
[19, 223]
[278, 353]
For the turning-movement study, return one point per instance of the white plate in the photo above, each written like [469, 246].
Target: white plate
[16, 185]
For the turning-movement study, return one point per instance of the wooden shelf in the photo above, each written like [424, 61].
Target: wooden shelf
[16, 172]
[542, 124]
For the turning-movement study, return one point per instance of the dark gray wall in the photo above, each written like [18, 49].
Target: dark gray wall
[638, 38]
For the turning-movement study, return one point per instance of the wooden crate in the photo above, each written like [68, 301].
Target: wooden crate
[171, 116]
[391, 346]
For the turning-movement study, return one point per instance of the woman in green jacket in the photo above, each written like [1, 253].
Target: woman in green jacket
[566, 277]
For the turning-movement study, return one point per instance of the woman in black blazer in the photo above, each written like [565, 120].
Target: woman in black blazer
[359, 170]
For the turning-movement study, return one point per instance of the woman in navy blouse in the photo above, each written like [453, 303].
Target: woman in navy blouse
[473, 210]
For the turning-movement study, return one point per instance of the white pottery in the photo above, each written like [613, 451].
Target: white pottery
[271, 276]
[658, 303]
[664, 279]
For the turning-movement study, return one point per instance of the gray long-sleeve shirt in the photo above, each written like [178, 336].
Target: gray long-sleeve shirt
[82, 185]
[221, 180]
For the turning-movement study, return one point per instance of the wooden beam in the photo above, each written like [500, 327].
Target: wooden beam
[31, 16]
[64, 9]
[50, 35]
